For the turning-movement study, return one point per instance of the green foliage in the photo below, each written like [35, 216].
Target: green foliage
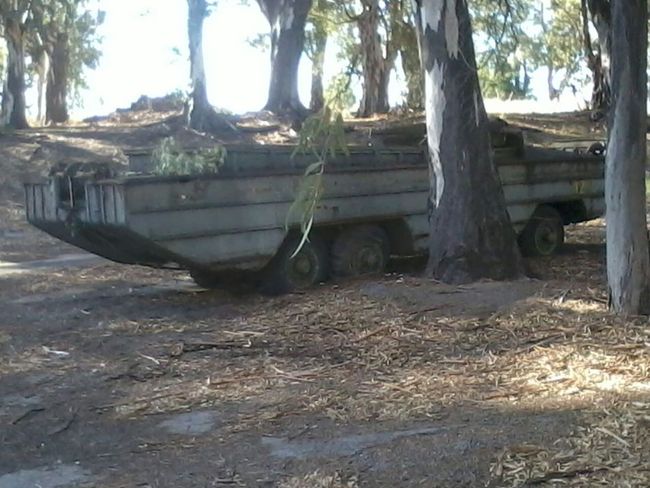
[169, 158]
[560, 46]
[339, 93]
[322, 136]
[261, 42]
[321, 23]
[504, 47]
[405, 41]
[85, 49]
[48, 20]
[516, 37]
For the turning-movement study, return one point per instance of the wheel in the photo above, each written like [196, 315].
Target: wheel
[206, 279]
[286, 273]
[597, 149]
[360, 250]
[544, 233]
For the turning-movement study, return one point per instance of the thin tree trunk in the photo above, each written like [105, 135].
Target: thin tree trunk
[412, 68]
[628, 268]
[318, 66]
[470, 232]
[197, 12]
[376, 70]
[271, 10]
[600, 63]
[13, 100]
[43, 69]
[203, 117]
[553, 93]
[56, 95]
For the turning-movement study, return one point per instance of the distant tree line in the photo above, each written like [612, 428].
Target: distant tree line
[48, 43]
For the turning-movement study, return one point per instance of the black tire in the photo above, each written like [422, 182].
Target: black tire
[360, 251]
[206, 279]
[597, 149]
[544, 233]
[285, 273]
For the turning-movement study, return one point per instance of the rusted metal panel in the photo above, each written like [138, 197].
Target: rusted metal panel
[553, 192]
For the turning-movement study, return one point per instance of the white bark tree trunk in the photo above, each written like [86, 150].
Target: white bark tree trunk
[42, 69]
[198, 11]
[470, 234]
[203, 117]
[625, 192]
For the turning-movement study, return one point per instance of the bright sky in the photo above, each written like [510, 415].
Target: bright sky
[145, 53]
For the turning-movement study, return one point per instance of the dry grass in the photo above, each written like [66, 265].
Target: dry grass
[345, 354]
[358, 359]
[339, 353]
[319, 480]
[610, 449]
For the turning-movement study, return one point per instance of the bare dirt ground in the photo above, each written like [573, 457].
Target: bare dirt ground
[116, 376]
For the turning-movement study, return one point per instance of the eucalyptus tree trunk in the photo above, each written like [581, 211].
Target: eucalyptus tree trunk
[628, 265]
[13, 97]
[197, 12]
[412, 69]
[470, 232]
[376, 68]
[287, 19]
[600, 62]
[56, 94]
[317, 70]
[42, 62]
[203, 117]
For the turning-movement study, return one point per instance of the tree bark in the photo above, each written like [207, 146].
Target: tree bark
[203, 117]
[56, 94]
[600, 62]
[42, 62]
[412, 69]
[287, 19]
[470, 232]
[317, 101]
[197, 12]
[376, 69]
[13, 99]
[628, 268]
[553, 93]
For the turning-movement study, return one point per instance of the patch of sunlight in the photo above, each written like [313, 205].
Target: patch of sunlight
[580, 306]
[493, 105]
[568, 371]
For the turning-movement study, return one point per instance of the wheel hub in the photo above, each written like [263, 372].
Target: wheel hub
[302, 268]
[369, 259]
[546, 238]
